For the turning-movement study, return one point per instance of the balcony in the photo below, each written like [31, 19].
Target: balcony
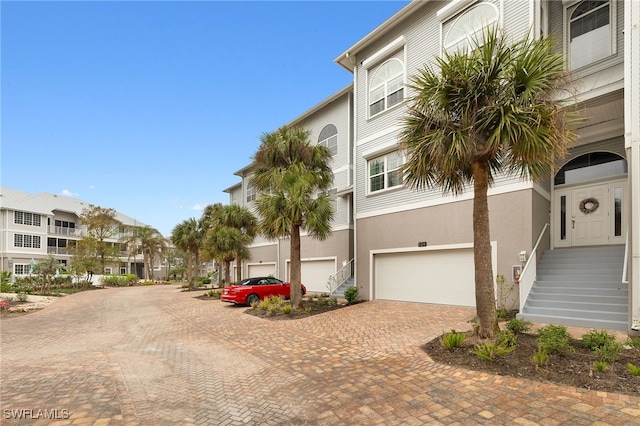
[60, 230]
[60, 250]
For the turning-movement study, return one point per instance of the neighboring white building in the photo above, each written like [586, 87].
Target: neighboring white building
[418, 245]
[35, 225]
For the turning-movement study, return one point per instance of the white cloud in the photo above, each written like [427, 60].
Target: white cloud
[91, 187]
[198, 207]
[68, 193]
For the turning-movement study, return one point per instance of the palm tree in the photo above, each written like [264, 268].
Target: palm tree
[226, 243]
[187, 236]
[493, 110]
[151, 243]
[216, 217]
[291, 175]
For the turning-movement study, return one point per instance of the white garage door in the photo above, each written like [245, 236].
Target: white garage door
[436, 276]
[261, 269]
[315, 274]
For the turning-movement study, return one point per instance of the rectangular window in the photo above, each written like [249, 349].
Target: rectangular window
[28, 241]
[123, 270]
[20, 269]
[563, 217]
[25, 218]
[384, 172]
[617, 212]
[251, 194]
[107, 271]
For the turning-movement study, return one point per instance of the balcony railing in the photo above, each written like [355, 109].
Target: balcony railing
[60, 250]
[60, 230]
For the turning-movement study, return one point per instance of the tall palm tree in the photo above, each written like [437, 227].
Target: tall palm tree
[493, 110]
[291, 174]
[226, 244]
[217, 216]
[187, 236]
[152, 244]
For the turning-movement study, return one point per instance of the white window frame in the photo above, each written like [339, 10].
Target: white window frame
[26, 218]
[22, 266]
[468, 37]
[386, 172]
[107, 270]
[386, 87]
[330, 141]
[252, 193]
[27, 241]
[570, 7]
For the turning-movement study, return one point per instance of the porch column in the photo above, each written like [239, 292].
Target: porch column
[632, 146]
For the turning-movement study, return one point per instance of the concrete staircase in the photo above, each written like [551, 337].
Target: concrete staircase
[339, 292]
[580, 287]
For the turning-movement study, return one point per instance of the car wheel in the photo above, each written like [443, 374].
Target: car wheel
[252, 298]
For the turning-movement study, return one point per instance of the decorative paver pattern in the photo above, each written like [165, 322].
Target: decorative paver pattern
[158, 356]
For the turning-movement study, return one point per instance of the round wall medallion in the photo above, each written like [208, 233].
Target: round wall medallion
[589, 205]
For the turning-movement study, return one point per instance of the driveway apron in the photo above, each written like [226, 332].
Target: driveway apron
[158, 356]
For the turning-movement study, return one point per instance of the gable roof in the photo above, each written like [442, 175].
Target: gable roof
[46, 203]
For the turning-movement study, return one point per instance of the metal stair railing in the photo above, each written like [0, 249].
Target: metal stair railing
[529, 272]
[340, 277]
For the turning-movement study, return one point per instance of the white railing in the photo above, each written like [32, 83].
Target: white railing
[60, 230]
[340, 277]
[530, 270]
[625, 265]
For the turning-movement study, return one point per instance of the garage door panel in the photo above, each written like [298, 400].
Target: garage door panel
[442, 277]
[316, 273]
[261, 269]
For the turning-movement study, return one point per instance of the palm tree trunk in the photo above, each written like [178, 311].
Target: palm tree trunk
[485, 294]
[296, 268]
[227, 273]
[238, 269]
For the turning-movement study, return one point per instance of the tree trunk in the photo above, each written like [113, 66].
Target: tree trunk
[227, 273]
[296, 268]
[485, 294]
[238, 269]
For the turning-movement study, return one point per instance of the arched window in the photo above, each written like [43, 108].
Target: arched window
[589, 32]
[468, 28]
[329, 138]
[591, 166]
[387, 86]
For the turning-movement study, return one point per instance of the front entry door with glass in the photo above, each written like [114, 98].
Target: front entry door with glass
[589, 215]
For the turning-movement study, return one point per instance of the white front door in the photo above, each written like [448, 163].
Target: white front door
[589, 215]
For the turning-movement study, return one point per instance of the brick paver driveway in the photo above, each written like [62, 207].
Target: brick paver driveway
[155, 355]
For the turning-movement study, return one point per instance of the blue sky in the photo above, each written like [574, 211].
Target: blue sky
[150, 107]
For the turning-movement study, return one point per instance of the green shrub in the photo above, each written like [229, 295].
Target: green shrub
[351, 294]
[506, 338]
[635, 371]
[213, 293]
[273, 309]
[609, 353]
[555, 339]
[501, 313]
[332, 301]
[634, 342]
[595, 339]
[452, 340]
[600, 365]
[120, 280]
[206, 281]
[519, 326]
[5, 282]
[286, 309]
[490, 351]
[540, 358]
[22, 297]
[308, 309]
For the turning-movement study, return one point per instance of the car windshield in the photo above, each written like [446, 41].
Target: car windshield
[260, 281]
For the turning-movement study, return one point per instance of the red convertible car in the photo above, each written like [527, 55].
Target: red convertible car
[255, 289]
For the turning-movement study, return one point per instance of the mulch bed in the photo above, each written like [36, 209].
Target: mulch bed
[575, 370]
